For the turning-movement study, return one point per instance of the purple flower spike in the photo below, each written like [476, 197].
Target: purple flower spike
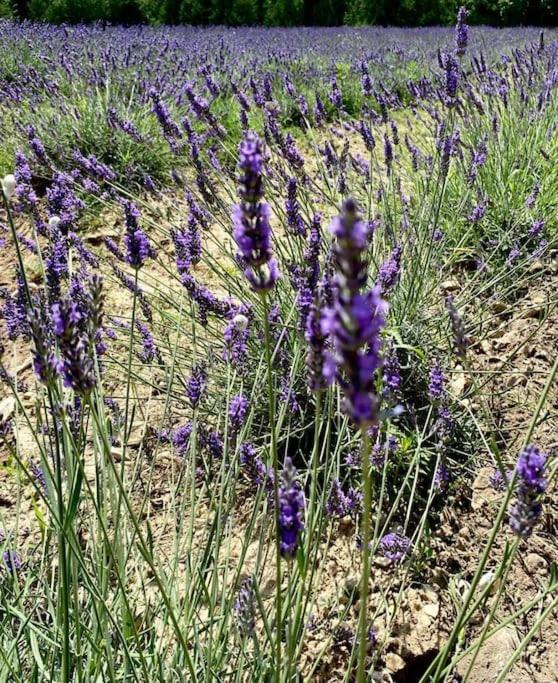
[354, 321]
[181, 438]
[138, 249]
[291, 511]
[12, 561]
[531, 485]
[252, 230]
[437, 381]
[196, 384]
[237, 412]
[395, 547]
[245, 608]
[461, 32]
[390, 271]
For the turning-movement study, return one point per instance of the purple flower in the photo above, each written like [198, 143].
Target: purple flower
[315, 350]
[149, 351]
[477, 214]
[388, 152]
[45, 362]
[442, 477]
[392, 370]
[305, 278]
[390, 271]
[170, 128]
[498, 481]
[536, 229]
[206, 301]
[395, 547]
[514, 254]
[320, 113]
[291, 511]
[213, 443]
[461, 32]
[187, 244]
[340, 504]
[531, 485]
[237, 412]
[437, 381]
[451, 69]
[24, 191]
[532, 198]
[39, 475]
[355, 320]
[138, 249]
[63, 202]
[196, 384]
[181, 438]
[335, 96]
[78, 368]
[252, 231]
[12, 560]
[14, 311]
[245, 608]
[294, 219]
[236, 342]
[36, 145]
[115, 121]
[253, 466]
[56, 260]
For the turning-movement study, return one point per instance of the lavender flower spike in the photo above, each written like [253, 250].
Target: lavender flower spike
[252, 231]
[395, 547]
[461, 32]
[531, 485]
[291, 511]
[355, 320]
[196, 384]
[138, 249]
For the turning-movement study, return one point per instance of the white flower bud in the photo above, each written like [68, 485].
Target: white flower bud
[53, 222]
[240, 322]
[9, 185]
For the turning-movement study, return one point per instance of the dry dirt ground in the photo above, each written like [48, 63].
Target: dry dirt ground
[514, 361]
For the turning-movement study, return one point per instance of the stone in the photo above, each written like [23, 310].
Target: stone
[394, 663]
[493, 655]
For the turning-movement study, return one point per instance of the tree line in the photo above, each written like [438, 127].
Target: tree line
[285, 12]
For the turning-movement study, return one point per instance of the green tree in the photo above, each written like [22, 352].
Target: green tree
[363, 12]
[283, 12]
[6, 9]
[242, 12]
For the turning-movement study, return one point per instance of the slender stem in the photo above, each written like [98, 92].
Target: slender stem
[315, 458]
[127, 628]
[365, 540]
[275, 464]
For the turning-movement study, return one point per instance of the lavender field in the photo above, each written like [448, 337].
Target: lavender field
[278, 354]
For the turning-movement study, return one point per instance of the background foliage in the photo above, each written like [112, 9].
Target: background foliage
[285, 12]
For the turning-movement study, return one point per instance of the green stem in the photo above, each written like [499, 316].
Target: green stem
[365, 539]
[275, 464]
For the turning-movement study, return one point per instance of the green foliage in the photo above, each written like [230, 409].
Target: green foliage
[285, 12]
[6, 9]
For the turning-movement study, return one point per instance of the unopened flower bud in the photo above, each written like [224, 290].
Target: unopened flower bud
[9, 185]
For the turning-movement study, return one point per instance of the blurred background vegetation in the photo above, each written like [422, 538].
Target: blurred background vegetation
[284, 12]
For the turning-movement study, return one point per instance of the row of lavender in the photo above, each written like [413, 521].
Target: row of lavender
[327, 354]
[94, 85]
